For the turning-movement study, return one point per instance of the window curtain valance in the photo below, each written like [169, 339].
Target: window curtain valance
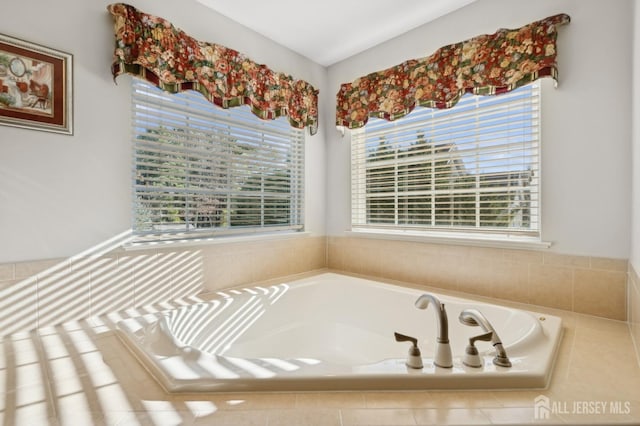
[484, 65]
[152, 48]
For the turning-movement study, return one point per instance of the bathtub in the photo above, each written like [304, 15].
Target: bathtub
[332, 332]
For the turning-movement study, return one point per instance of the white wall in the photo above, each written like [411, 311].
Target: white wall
[635, 161]
[61, 195]
[586, 120]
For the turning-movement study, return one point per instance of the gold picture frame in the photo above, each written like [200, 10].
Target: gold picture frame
[36, 86]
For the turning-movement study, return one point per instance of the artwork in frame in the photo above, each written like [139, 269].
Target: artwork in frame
[35, 86]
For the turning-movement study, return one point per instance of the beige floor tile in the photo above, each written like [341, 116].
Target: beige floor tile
[579, 390]
[615, 328]
[450, 416]
[253, 401]
[518, 399]
[35, 413]
[330, 400]
[75, 409]
[233, 418]
[304, 417]
[598, 419]
[134, 418]
[563, 357]
[166, 417]
[402, 400]
[512, 416]
[466, 399]
[383, 416]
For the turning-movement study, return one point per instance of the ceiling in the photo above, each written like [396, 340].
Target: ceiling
[328, 31]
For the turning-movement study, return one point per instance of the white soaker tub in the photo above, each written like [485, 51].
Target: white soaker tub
[332, 332]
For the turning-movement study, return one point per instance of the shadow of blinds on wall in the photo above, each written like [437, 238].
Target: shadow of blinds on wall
[471, 168]
[201, 171]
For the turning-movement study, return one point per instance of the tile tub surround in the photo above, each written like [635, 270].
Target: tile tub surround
[581, 284]
[41, 293]
[80, 373]
[48, 292]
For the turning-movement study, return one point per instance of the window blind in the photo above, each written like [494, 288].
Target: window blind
[472, 168]
[201, 171]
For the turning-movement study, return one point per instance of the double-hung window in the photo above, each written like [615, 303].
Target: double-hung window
[200, 171]
[473, 168]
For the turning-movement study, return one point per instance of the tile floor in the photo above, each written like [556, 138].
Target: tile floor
[79, 373]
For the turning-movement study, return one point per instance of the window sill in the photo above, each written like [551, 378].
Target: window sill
[147, 245]
[494, 241]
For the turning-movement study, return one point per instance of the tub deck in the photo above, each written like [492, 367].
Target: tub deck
[332, 332]
[80, 373]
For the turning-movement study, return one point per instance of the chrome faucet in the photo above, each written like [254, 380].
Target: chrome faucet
[443, 356]
[473, 317]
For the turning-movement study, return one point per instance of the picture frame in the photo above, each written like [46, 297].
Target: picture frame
[36, 86]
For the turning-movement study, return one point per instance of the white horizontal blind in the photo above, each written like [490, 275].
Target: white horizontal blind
[472, 168]
[200, 170]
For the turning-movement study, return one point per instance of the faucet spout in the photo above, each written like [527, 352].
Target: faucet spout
[443, 356]
[441, 315]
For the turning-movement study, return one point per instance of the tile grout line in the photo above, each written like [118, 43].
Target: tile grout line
[46, 370]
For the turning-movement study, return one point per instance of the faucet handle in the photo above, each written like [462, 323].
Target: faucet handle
[414, 358]
[405, 338]
[486, 337]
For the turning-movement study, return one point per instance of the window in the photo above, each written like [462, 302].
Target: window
[472, 168]
[201, 171]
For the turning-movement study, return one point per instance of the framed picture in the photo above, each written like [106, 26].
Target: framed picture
[35, 86]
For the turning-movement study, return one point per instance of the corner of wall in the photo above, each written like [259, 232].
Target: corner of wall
[583, 284]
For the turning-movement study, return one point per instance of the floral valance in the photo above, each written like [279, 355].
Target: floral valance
[152, 48]
[484, 65]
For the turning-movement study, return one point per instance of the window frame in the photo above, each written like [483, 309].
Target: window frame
[360, 212]
[217, 141]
